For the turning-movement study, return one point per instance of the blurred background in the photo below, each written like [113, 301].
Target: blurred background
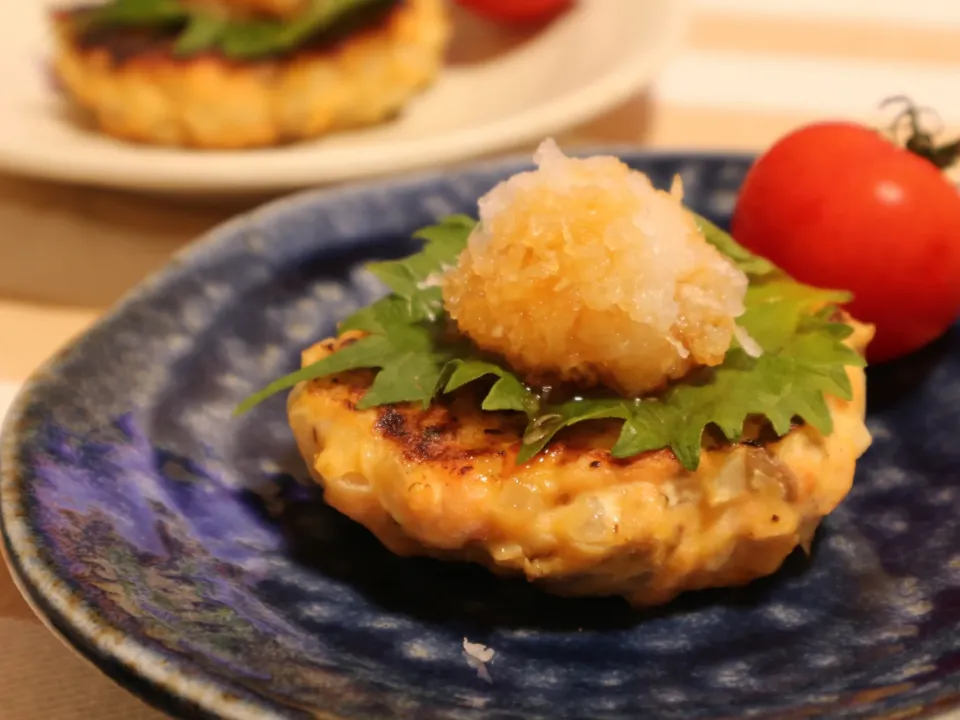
[744, 73]
[738, 75]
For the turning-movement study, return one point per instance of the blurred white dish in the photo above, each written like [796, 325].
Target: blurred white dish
[585, 62]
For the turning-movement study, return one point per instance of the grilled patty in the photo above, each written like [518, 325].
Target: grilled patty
[443, 482]
[358, 72]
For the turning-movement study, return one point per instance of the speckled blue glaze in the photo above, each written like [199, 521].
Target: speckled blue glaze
[173, 545]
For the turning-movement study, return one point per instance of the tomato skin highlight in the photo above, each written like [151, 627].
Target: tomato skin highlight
[837, 205]
[516, 11]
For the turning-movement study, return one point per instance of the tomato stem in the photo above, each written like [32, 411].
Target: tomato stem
[921, 141]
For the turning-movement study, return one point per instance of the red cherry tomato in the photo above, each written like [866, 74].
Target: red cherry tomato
[837, 205]
[516, 10]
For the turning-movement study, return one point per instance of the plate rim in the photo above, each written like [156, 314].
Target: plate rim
[99, 642]
[568, 110]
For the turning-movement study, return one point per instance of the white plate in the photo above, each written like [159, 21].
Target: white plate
[585, 62]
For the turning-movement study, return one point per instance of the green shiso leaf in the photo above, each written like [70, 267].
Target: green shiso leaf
[137, 13]
[752, 265]
[202, 30]
[804, 358]
[507, 393]
[410, 279]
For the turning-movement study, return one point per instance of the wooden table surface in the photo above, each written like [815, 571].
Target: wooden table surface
[751, 70]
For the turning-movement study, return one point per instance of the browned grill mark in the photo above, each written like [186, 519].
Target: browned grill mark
[425, 447]
[391, 423]
[434, 435]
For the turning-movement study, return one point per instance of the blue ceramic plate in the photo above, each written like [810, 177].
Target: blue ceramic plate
[173, 546]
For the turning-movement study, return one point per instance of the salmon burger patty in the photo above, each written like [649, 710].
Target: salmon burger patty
[359, 71]
[443, 482]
